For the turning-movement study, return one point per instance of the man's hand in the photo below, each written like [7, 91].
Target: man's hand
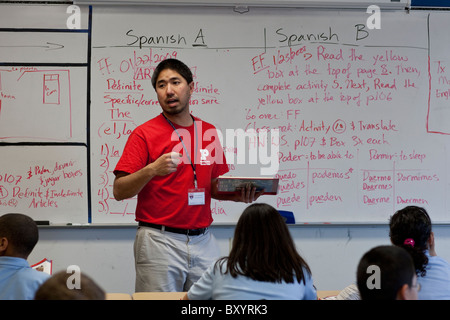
[246, 195]
[128, 185]
[249, 194]
[166, 164]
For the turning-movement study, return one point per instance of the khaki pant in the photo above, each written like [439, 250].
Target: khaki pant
[171, 262]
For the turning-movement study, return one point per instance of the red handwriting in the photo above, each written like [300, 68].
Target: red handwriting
[331, 104]
[46, 185]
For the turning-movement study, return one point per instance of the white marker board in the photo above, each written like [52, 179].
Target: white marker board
[361, 113]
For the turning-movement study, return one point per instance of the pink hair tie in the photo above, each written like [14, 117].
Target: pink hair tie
[409, 242]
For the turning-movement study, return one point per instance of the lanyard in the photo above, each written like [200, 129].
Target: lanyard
[184, 147]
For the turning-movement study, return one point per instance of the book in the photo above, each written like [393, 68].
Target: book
[235, 184]
[44, 265]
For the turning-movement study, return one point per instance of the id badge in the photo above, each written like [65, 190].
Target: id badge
[196, 197]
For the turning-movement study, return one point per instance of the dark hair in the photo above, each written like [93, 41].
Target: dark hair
[21, 231]
[395, 270]
[263, 248]
[412, 223]
[56, 288]
[172, 64]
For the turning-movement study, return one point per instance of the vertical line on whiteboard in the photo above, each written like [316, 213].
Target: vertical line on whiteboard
[446, 179]
[88, 112]
[429, 74]
[358, 193]
[393, 189]
[307, 185]
[265, 41]
[70, 104]
[0, 89]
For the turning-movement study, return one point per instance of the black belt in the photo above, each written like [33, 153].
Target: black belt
[188, 232]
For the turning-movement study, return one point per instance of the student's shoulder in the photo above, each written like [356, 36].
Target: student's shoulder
[439, 260]
[32, 274]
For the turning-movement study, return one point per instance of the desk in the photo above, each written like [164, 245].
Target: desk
[178, 295]
[158, 295]
[118, 296]
[327, 293]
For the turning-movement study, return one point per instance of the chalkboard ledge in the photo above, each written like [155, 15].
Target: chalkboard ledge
[230, 225]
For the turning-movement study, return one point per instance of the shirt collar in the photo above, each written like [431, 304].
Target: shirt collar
[20, 262]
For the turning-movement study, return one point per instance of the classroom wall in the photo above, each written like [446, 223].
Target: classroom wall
[106, 253]
[57, 162]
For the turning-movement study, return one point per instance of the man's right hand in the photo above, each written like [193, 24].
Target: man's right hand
[166, 164]
[128, 185]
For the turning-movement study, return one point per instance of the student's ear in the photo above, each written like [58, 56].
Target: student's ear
[431, 246]
[3, 245]
[407, 292]
[402, 293]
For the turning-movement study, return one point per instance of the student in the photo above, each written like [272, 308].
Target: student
[18, 237]
[172, 163]
[410, 228]
[387, 273]
[57, 288]
[263, 263]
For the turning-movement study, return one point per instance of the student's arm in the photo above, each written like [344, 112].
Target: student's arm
[128, 185]
[247, 195]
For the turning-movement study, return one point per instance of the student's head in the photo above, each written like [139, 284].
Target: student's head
[57, 288]
[175, 65]
[410, 228]
[387, 273]
[18, 235]
[263, 247]
[261, 226]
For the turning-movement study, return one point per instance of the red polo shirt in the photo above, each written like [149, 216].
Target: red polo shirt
[164, 200]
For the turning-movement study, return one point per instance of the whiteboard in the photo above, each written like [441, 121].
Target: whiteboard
[361, 114]
[352, 105]
[43, 114]
[47, 183]
[43, 104]
[48, 47]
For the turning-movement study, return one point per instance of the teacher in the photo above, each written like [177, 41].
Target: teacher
[172, 163]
